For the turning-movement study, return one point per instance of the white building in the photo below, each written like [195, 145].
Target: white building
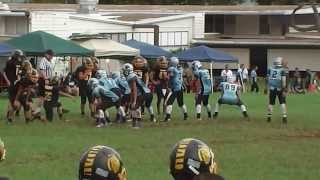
[254, 34]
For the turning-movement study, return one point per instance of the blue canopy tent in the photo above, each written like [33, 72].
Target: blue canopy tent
[6, 50]
[206, 54]
[147, 50]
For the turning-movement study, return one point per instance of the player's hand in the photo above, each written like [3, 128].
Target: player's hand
[16, 103]
[265, 91]
[284, 92]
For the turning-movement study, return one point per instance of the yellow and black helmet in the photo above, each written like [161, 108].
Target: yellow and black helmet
[191, 158]
[33, 76]
[139, 63]
[162, 62]
[101, 163]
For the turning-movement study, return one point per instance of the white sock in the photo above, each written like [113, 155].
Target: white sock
[164, 91]
[169, 109]
[121, 111]
[243, 108]
[106, 114]
[100, 114]
[150, 109]
[198, 109]
[208, 107]
[217, 108]
[184, 109]
[284, 110]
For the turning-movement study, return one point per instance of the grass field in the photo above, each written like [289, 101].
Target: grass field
[244, 150]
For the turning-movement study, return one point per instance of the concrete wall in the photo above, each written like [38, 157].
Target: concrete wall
[301, 58]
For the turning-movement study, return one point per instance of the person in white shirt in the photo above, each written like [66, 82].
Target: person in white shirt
[226, 73]
[242, 76]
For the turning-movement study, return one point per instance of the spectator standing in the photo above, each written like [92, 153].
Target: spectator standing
[308, 79]
[254, 79]
[242, 76]
[226, 73]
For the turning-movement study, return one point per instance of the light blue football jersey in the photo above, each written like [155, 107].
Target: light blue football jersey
[205, 80]
[141, 86]
[175, 78]
[275, 78]
[102, 92]
[229, 91]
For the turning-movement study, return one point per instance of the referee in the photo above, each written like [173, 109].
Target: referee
[45, 69]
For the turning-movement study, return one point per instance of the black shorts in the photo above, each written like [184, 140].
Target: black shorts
[148, 99]
[85, 94]
[125, 100]
[204, 99]
[272, 97]
[11, 93]
[173, 95]
[24, 100]
[41, 87]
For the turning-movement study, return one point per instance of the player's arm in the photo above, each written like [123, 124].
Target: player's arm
[147, 78]
[66, 94]
[266, 82]
[284, 82]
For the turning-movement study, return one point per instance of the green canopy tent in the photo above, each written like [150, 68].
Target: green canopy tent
[36, 43]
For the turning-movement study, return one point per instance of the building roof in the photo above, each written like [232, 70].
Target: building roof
[255, 42]
[159, 8]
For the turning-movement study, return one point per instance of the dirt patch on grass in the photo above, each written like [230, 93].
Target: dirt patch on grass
[303, 134]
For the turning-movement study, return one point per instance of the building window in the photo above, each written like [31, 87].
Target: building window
[15, 25]
[174, 38]
[264, 24]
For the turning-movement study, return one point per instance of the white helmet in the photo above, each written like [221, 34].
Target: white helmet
[115, 75]
[127, 69]
[196, 65]
[277, 62]
[174, 61]
[101, 74]
[93, 82]
[230, 79]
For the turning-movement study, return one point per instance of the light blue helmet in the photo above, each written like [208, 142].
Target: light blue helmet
[127, 69]
[174, 61]
[93, 82]
[101, 74]
[196, 65]
[277, 62]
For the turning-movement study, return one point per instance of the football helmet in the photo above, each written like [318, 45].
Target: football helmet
[101, 74]
[139, 63]
[33, 76]
[277, 62]
[174, 61]
[92, 83]
[162, 62]
[230, 79]
[127, 69]
[2, 151]
[196, 65]
[191, 157]
[101, 163]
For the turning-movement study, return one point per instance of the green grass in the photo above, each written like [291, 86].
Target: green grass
[244, 150]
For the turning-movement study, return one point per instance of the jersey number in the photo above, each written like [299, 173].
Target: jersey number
[233, 87]
[274, 74]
